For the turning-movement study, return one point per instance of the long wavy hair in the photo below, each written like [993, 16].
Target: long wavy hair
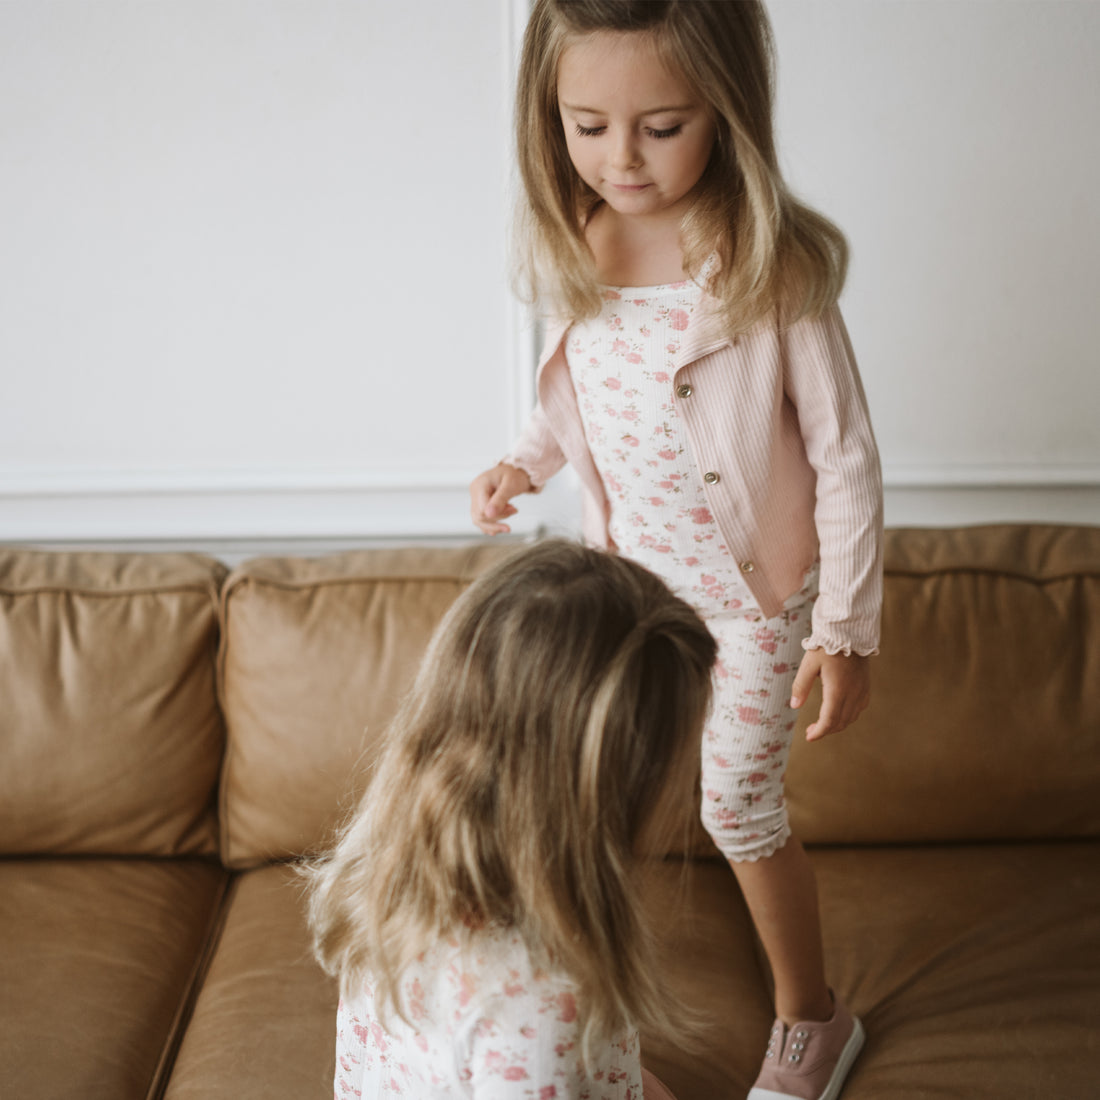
[560, 702]
[772, 250]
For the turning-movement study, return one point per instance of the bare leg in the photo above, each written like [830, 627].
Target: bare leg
[781, 893]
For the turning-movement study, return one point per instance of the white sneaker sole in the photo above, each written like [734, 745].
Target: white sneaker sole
[844, 1063]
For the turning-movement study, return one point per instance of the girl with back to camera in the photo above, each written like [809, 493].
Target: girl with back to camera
[482, 909]
[698, 377]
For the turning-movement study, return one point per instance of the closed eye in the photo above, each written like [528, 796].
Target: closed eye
[593, 131]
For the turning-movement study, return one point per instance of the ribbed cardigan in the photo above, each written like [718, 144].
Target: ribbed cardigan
[776, 419]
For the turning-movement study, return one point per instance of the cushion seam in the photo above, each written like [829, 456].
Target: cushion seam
[330, 582]
[107, 593]
[189, 997]
[978, 571]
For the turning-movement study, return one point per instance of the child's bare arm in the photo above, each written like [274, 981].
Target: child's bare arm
[845, 689]
[490, 494]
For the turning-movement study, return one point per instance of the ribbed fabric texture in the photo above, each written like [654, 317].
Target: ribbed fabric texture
[778, 419]
[621, 363]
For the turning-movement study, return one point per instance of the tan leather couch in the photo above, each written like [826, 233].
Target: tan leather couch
[171, 736]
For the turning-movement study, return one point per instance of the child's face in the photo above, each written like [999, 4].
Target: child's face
[636, 133]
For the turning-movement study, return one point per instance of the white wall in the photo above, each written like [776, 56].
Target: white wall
[957, 143]
[235, 234]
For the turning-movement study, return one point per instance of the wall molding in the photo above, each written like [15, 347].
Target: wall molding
[113, 506]
[991, 475]
[61, 504]
[60, 481]
[232, 505]
[105, 482]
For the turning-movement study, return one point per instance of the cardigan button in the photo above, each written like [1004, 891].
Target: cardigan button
[684, 390]
[747, 567]
[711, 478]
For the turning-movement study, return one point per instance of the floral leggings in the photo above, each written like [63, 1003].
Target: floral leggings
[747, 737]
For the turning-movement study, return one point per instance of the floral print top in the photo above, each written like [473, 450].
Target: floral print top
[482, 1023]
[621, 364]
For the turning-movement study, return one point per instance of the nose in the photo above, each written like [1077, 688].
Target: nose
[624, 150]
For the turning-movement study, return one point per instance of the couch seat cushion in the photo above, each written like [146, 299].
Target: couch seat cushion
[264, 1025]
[976, 968]
[707, 949]
[99, 959]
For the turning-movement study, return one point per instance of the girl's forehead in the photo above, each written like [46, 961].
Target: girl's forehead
[608, 69]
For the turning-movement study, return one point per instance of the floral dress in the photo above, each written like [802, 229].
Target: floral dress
[482, 1022]
[622, 365]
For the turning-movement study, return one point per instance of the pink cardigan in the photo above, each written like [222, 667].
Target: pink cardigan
[778, 423]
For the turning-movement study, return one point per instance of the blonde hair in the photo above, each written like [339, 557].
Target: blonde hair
[560, 695]
[773, 251]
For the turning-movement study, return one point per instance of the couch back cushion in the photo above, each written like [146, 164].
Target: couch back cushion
[985, 714]
[110, 731]
[316, 654]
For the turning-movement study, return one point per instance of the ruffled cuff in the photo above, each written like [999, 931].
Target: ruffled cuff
[833, 646]
[537, 483]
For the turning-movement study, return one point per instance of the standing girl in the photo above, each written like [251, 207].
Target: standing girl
[481, 908]
[698, 377]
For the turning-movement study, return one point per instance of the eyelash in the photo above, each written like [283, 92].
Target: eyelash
[660, 135]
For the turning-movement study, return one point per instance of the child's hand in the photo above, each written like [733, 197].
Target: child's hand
[490, 493]
[845, 689]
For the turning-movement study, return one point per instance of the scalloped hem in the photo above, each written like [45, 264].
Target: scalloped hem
[834, 648]
[766, 850]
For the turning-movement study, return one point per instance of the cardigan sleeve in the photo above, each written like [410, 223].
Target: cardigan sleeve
[823, 383]
[536, 451]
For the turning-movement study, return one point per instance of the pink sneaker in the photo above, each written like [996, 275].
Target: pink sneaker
[809, 1061]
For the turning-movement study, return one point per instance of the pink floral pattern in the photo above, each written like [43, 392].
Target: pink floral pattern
[622, 365]
[747, 738]
[483, 1023]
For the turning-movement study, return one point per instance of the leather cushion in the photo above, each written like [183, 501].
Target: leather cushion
[975, 968]
[985, 718]
[316, 655]
[265, 1023]
[111, 731]
[100, 959]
